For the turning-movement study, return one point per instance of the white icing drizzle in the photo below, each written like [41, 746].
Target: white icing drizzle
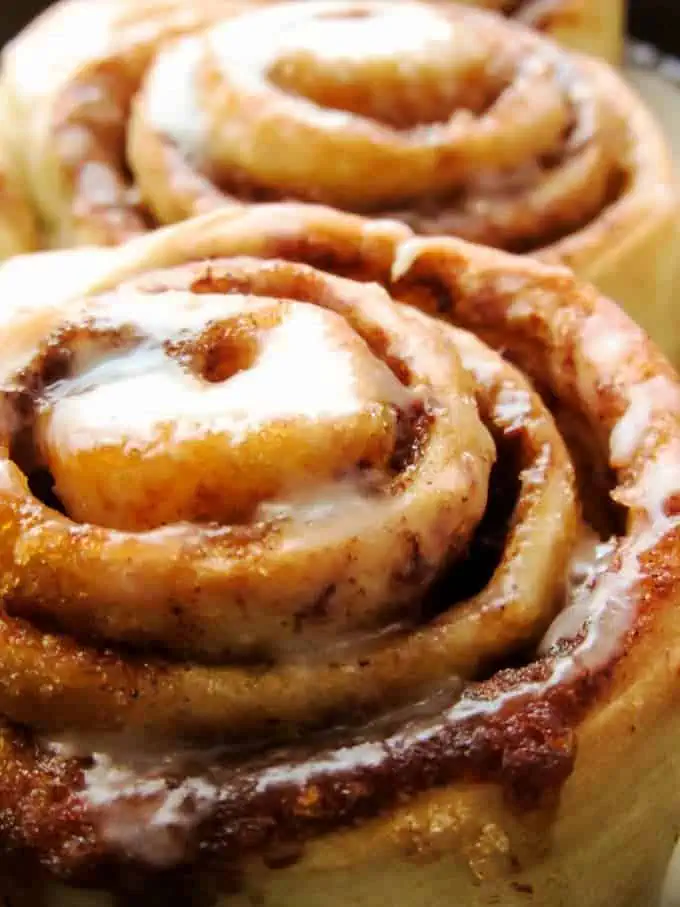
[604, 605]
[609, 610]
[148, 799]
[99, 183]
[387, 33]
[652, 396]
[306, 368]
[590, 559]
[513, 407]
[660, 480]
[172, 103]
[365, 755]
[143, 814]
[406, 255]
[55, 278]
[604, 346]
[320, 503]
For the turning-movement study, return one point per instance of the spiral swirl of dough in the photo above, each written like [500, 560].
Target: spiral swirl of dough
[451, 118]
[254, 496]
[259, 460]
[444, 116]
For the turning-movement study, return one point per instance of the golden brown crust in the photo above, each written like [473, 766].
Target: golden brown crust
[518, 731]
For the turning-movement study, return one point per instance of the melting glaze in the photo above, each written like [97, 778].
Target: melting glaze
[173, 106]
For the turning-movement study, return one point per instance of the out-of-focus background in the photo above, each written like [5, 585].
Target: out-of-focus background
[14, 16]
[653, 20]
[657, 21]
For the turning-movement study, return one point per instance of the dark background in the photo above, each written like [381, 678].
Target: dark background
[653, 20]
[657, 21]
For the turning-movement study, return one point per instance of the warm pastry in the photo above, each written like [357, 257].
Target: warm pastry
[310, 598]
[592, 26]
[449, 118]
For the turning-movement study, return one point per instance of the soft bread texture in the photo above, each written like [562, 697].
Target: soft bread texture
[556, 778]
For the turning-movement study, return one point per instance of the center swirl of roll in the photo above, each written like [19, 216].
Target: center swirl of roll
[258, 400]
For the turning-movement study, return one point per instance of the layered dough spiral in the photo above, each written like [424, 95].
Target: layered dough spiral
[452, 119]
[303, 580]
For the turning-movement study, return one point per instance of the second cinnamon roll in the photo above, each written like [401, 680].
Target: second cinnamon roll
[451, 119]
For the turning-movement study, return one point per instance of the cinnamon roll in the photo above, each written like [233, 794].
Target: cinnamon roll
[452, 119]
[311, 596]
